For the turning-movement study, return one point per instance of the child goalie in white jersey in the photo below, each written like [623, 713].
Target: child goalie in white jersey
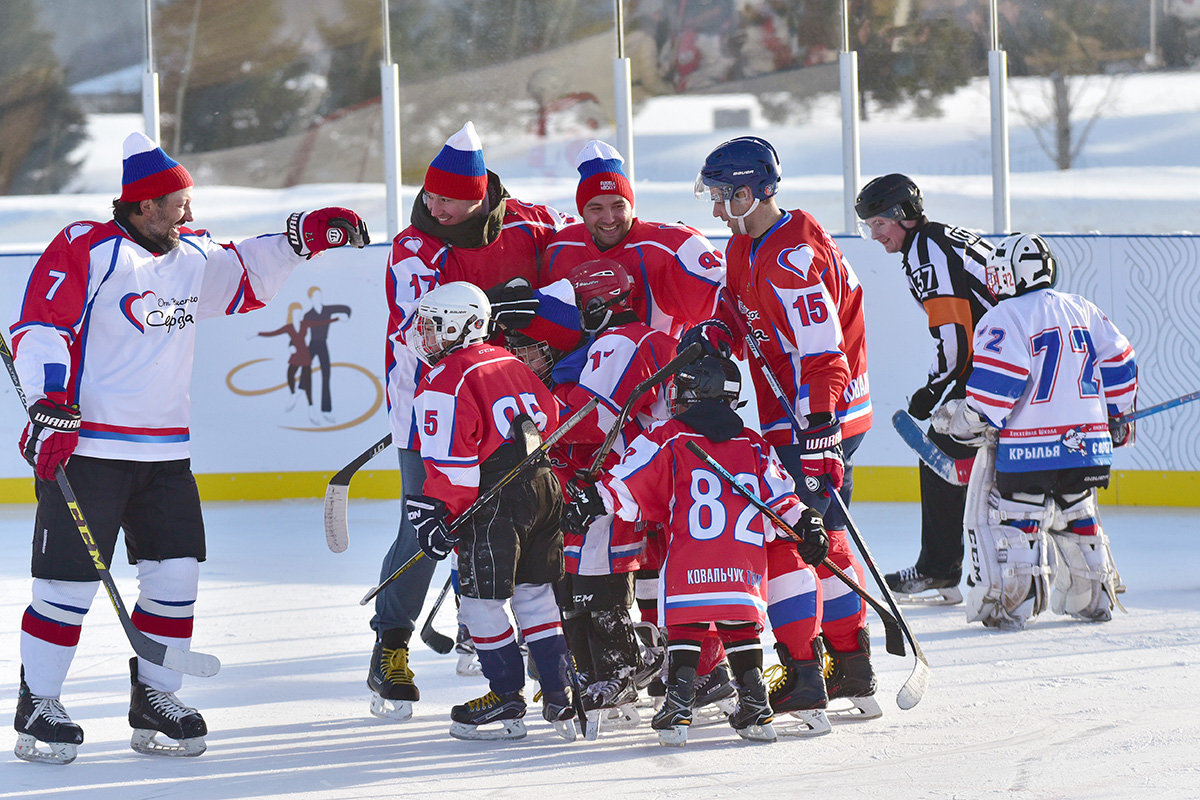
[1051, 372]
[715, 569]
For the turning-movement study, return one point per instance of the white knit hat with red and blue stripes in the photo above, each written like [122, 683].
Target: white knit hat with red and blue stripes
[458, 171]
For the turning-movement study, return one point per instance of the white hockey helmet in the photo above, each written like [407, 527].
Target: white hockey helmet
[1021, 263]
[452, 315]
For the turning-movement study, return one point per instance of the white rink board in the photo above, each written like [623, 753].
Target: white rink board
[1149, 285]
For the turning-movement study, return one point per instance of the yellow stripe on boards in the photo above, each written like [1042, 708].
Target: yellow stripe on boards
[871, 485]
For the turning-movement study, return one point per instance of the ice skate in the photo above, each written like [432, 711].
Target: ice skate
[469, 719]
[653, 654]
[610, 704]
[753, 716]
[910, 586]
[797, 693]
[716, 696]
[152, 712]
[43, 719]
[468, 661]
[850, 679]
[558, 711]
[675, 717]
[393, 690]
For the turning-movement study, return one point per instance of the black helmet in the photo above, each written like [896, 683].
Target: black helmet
[894, 196]
[709, 377]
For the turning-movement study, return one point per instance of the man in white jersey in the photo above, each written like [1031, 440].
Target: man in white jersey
[1051, 372]
[103, 344]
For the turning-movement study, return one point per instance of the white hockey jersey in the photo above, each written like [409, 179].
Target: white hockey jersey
[113, 326]
[1050, 368]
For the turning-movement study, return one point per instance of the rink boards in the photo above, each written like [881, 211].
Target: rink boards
[250, 442]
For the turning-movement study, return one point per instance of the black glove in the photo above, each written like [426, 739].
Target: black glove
[584, 507]
[428, 516]
[813, 546]
[922, 402]
[1119, 431]
[712, 335]
[514, 304]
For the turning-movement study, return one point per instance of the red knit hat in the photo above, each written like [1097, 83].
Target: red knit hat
[147, 172]
[600, 172]
[458, 171]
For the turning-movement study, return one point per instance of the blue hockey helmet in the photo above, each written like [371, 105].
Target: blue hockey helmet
[744, 161]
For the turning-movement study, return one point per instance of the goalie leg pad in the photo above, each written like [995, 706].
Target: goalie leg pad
[1085, 582]
[1010, 554]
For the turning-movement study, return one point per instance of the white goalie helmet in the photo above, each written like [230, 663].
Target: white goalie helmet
[452, 315]
[1021, 263]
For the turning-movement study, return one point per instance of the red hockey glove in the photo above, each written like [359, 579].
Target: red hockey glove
[315, 231]
[51, 435]
[821, 452]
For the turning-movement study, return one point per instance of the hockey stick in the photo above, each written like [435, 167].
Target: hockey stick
[918, 680]
[914, 688]
[173, 658]
[1145, 412]
[337, 496]
[895, 639]
[492, 491]
[687, 356]
[438, 642]
[947, 468]
[930, 454]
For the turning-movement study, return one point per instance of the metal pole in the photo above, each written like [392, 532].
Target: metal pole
[389, 87]
[998, 81]
[150, 110]
[623, 96]
[1152, 56]
[851, 164]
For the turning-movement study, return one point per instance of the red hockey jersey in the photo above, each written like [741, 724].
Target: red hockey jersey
[805, 305]
[465, 406]
[716, 557]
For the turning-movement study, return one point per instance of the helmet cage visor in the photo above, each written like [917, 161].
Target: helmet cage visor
[708, 191]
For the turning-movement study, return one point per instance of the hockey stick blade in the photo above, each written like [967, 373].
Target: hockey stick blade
[929, 453]
[918, 680]
[894, 637]
[337, 497]
[438, 642]
[185, 661]
[337, 528]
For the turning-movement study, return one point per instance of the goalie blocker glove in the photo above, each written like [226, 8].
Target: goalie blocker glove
[51, 435]
[821, 451]
[428, 516]
[311, 233]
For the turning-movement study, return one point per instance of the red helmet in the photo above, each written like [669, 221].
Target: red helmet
[602, 288]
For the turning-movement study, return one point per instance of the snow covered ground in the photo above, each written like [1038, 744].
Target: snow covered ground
[1062, 710]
